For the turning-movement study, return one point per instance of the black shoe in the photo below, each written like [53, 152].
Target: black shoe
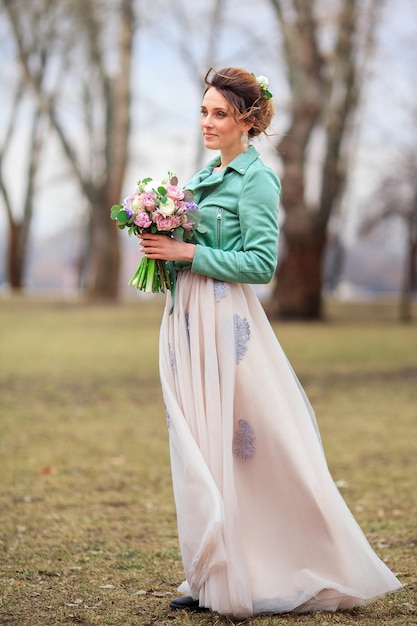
[187, 603]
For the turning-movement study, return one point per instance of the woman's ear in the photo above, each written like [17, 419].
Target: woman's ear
[248, 124]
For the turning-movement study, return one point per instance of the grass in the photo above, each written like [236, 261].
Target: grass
[87, 519]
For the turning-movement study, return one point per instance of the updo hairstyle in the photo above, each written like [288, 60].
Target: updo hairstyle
[242, 91]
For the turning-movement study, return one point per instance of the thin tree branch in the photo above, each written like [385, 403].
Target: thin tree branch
[342, 102]
[6, 199]
[10, 127]
[35, 148]
[119, 104]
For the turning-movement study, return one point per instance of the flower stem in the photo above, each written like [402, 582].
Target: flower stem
[151, 276]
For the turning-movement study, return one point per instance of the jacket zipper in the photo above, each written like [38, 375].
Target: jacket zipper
[219, 219]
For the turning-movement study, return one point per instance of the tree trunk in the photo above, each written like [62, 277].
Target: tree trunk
[104, 258]
[105, 255]
[324, 90]
[15, 261]
[409, 281]
[297, 292]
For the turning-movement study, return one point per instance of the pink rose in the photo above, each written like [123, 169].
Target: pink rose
[174, 192]
[176, 221]
[148, 200]
[143, 220]
[166, 223]
[187, 225]
[181, 208]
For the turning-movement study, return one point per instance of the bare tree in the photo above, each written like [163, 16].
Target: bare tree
[396, 199]
[20, 210]
[19, 218]
[325, 80]
[88, 88]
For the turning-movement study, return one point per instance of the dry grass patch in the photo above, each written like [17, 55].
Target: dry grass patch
[87, 520]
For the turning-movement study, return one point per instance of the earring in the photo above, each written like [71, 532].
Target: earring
[245, 140]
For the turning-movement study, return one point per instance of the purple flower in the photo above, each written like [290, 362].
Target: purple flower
[191, 206]
[127, 202]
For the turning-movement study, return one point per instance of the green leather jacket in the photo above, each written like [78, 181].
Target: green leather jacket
[239, 206]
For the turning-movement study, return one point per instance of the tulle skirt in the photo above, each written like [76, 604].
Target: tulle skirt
[262, 526]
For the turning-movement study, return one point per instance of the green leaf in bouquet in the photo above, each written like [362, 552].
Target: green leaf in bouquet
[132, 230]
[163, 200]
[141, 184]
[122, 217]
[202, 228]
[178, 234]
[188, 195]
[114, 211]
[194, 216]
[162, 191]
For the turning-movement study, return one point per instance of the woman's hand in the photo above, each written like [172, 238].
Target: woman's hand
[165, 248]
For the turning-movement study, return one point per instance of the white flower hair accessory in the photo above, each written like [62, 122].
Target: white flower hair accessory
[263, 83]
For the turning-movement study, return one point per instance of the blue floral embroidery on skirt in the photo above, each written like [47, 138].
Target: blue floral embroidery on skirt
[242, 336]
[243, 441]
[187, 324]
[220, 290]
[171, 358]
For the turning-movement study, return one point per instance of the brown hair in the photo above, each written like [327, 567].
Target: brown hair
[242, 91]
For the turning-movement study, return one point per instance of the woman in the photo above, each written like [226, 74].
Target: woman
[262, 526]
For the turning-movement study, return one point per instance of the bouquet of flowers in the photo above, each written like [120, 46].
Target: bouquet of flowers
[162, 208]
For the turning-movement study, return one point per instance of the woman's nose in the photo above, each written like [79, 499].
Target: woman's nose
[207, 121]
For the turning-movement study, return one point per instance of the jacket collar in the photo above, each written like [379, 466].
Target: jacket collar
[239, 165]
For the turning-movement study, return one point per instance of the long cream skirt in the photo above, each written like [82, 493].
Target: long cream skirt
[262, 526]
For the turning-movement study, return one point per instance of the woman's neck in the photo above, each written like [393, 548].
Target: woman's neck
[228, 157]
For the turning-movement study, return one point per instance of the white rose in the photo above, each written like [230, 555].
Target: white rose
[262, 81]
[151, 185]
[137, 205]
[168, 208]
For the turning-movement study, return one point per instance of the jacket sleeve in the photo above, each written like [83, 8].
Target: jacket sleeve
[258, 219]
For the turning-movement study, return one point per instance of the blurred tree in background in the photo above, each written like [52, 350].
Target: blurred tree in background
[19, 222]
[80, 51]
[396, 200]
[36, 34]
[325, 52]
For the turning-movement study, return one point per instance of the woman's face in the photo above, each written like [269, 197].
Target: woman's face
[220, 129]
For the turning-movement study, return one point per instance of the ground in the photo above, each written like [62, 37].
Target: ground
[87, 519]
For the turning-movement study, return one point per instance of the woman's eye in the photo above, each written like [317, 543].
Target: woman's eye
[221, 114]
